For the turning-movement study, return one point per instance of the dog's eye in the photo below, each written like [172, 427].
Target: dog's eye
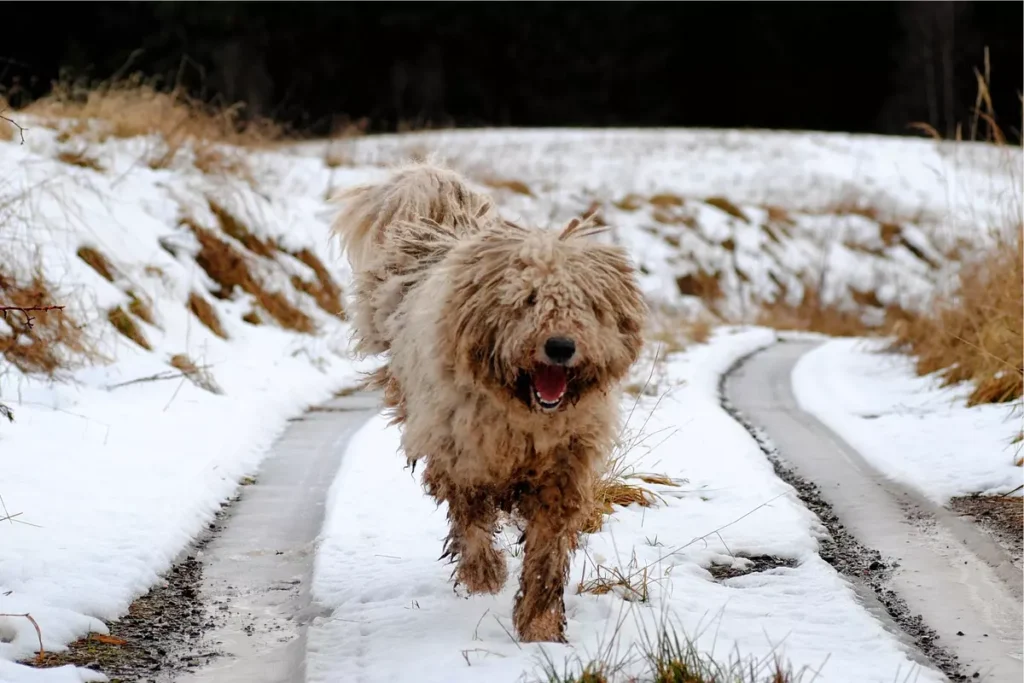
[532, 299]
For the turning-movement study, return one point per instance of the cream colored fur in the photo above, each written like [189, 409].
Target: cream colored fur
[463, 302]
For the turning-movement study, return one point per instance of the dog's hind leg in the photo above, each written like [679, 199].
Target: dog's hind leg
[553, 511]
[472, 521]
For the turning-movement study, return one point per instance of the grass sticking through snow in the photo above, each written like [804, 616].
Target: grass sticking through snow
[126, 325]
[620, 484]
[516, 186]
[668, 657]
[812, 314]
[39, 341]
[230, 268]
[80, 159]
[976, 333]
[206, 313]
[96, 260]
[198, 375]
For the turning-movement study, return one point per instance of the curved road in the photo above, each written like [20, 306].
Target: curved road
[257, 569]
[955, 576]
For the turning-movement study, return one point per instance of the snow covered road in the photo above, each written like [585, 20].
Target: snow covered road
[393, 616]
[978, 617]
[257, 569]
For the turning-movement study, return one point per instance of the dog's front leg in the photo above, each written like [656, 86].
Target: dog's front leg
[553, 512]
[472, 519]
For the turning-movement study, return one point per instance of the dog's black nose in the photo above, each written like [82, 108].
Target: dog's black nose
[560, 349]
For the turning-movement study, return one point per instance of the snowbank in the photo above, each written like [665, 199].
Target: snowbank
[908, 427]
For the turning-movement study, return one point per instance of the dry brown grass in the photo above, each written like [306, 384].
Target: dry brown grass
[517, 186]
[700, 284]
[631, 202]
[206, 313]
[141, 308]
[230, 268]
[81, 159]
[669, 216]
[217, 160]
[126, 325]
[253, 318]
[812, 314]
[198, 375]
[976, 333]
[777, 214]
[631, 584]
[134, 106]
[723, 204]
[619, 485]
[666, 200]
[96, 260]
[235, 228]
[40, 341]
[325, 291]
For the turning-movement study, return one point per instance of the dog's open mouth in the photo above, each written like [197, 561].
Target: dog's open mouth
[549, 383]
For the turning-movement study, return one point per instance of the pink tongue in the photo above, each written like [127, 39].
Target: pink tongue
[549, 382]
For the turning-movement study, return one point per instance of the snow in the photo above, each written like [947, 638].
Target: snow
[844, 212]
[11, 673]
[394, 616]
[955, 185]
[112, 469]
[908, 427]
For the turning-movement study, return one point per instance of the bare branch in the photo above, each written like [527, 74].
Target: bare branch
[25, 310]
[21, 129]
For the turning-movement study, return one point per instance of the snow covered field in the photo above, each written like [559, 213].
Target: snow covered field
[908, 427]
[109, 471]
[759, 216]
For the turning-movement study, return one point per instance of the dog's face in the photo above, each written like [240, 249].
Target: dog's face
[543, 318]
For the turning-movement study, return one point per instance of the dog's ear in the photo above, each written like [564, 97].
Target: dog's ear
[581, 227]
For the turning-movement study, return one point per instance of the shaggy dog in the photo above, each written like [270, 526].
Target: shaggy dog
[506, 347]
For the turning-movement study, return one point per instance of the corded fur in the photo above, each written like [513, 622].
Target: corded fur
[461, 302]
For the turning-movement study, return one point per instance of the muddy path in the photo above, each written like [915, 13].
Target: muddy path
[935, 580]
[234, 607]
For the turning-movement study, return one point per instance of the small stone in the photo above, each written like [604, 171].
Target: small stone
[959, 633]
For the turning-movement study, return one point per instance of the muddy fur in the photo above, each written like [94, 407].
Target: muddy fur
[465, 306]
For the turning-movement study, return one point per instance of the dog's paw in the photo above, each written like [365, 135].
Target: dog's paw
[461, 591]
[542, 633]
[484, 572]
[547, 627]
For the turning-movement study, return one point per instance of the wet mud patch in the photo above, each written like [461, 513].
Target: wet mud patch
[161, 634]
[842, 550]
[753, 564]
[1000, 516]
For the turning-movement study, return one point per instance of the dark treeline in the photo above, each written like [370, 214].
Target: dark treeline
[851, 66]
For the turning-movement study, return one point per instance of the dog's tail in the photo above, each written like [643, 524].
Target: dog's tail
[393, 231]
[415, 212]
